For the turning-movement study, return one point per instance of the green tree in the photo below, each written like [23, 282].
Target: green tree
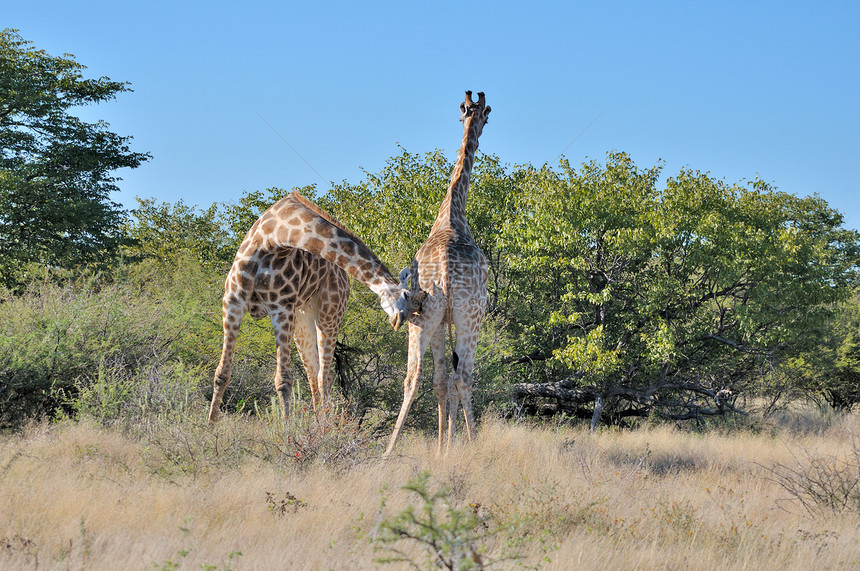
[166, 233]
[56, 171]
[671, 301]
[845, 392]
[829, 368]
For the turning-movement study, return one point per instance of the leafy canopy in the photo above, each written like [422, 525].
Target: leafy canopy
[56, 171]
[697, 286]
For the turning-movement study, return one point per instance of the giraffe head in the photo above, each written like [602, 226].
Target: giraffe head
[474, 114]
[400, 303]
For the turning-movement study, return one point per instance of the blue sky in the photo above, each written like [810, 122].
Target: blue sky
[738, 89]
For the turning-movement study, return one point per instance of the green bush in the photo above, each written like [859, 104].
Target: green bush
[603, 282]
[114, 349]
[451, 538]
[105, 347]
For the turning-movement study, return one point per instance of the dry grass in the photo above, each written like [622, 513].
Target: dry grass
[184, 495]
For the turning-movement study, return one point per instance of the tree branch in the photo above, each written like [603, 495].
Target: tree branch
[733, 344]
[536, 355]
[570, 396]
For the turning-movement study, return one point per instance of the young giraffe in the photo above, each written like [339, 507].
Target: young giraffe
[453, 271]
[291, 267]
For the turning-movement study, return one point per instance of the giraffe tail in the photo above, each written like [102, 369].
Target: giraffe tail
[455, 358]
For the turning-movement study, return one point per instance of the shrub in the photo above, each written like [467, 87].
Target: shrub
[104, 346]
[823, 483]
[451, 537]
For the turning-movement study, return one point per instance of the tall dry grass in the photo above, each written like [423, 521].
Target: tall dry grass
[239, 495]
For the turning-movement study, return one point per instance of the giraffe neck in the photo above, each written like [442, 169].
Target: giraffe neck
[452, 213]
[295, 222]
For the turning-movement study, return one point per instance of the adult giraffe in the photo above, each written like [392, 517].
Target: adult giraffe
[453, 271]
[292, 267]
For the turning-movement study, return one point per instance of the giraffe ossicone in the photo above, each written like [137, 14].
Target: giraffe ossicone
[293, 266]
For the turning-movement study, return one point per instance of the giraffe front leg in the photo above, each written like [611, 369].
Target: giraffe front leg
[284, 323]
[232, 318]
[418, 341]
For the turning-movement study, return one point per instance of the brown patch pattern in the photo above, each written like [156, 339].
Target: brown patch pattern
[304, 295]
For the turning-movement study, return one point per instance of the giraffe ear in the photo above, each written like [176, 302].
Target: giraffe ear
[404, 276]
[487, 110]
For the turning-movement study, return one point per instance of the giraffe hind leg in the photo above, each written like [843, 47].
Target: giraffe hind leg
[307, 345]
[331, 309]
[440, 382]
[233, 312]
[326, 343]
[283, 322]
[461, 385]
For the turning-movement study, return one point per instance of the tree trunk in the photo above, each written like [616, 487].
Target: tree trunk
[599, 405]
